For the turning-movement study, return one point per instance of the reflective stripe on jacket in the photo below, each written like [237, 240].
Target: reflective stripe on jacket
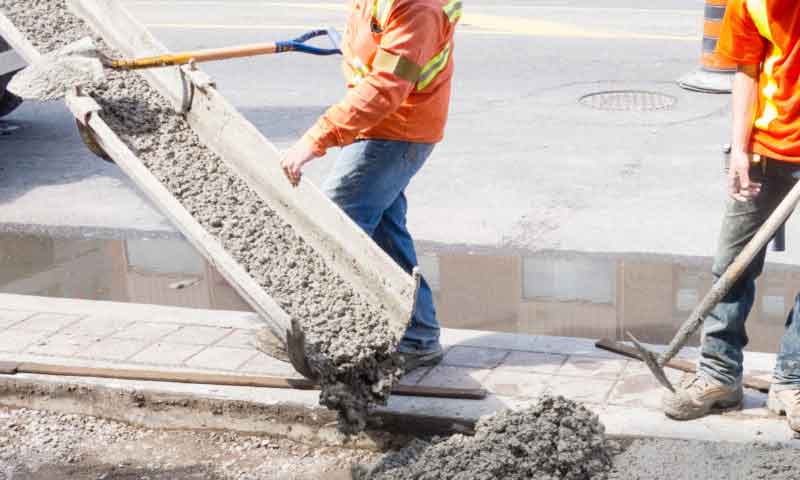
[398, 63]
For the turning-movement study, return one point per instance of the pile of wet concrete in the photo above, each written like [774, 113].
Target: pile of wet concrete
[554, 439]
[559, 439]
[349, 339]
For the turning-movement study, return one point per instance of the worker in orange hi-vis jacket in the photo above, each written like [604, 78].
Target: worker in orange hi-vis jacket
[763, 38]
[398, 61]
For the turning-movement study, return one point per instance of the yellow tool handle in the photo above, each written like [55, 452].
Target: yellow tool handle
[197, 55]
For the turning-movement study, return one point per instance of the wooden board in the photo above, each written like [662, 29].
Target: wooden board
[258, 381]
[676, 363]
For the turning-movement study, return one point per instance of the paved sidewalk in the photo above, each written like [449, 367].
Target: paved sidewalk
[514, 368]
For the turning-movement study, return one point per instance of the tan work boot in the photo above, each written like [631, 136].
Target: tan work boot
[786, 402]
[697, 396]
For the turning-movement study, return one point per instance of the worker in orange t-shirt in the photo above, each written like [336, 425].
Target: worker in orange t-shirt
[761, 36]
[398, 61]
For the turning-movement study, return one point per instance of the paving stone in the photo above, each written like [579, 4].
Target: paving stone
[147, 331]
[240, 338]
[639, 388]
[415, 376]
[454, 377]
[590, 390]
[63, 345]
[474, 357]
[17, 340]
[114, 349]
[754, 404]
[167, 353]
[571, 346]
[221, 358]
[266, 365]
[46, 322]
[10, 317]
[533, 362]
[595, 367]
[197, 335]
[515, 383]
[99, 326]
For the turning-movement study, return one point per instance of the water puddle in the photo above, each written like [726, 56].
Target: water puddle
[548, 293]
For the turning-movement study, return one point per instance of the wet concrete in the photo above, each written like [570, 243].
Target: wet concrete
[547, 293]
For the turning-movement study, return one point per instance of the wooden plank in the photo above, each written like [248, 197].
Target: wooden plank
[9, 368]
[258, 381]
[345, 247]
[676, 363]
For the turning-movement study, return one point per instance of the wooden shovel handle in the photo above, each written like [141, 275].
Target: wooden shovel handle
[207, 55]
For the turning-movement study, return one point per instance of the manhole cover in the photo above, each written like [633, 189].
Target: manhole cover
[628, 100]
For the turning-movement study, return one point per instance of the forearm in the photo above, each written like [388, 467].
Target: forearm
[745, 89]
[365, 106]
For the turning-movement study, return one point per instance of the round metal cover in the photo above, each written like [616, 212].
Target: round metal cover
[628, 100]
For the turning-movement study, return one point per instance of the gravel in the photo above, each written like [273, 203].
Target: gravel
[52, 446]
[350, 342]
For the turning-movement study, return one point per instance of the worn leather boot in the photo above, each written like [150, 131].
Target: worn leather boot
[786, 402]
[698, 396]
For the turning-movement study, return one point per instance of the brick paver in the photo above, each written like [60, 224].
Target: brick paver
[582, 366]
[47, 322]
[10, 317]
[221, 358]
[115, 349]
[474, 357]
[170, 354]
[240, 338]
[198, 335]
[15, 341]
[534, 362]
[147, 331]
[63, 345]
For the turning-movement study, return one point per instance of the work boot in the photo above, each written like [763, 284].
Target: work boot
[697, 396]
[414, 360]
[786, 402]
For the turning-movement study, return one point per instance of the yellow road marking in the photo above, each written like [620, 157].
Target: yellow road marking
[472, 23]
[549, 30]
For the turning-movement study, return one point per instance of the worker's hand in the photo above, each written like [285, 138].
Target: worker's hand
[293, 160]
[740, 187]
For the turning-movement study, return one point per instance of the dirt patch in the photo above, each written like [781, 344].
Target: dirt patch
[554, 439]
[350, 341]
[49, 446]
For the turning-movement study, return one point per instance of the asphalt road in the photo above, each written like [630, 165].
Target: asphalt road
[524, 162]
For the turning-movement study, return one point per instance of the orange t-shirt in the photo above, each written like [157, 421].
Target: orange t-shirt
[767, 32]
[407, 95]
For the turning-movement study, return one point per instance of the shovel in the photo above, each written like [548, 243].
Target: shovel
[81, 62]
[720, 288]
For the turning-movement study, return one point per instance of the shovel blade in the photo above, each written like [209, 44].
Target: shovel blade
[296, 348]
[651, 360]
[50, 77]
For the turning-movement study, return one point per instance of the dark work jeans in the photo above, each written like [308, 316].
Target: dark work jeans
[368, 181]
[724, 334]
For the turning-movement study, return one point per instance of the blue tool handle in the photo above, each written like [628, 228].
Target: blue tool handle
[299, 44]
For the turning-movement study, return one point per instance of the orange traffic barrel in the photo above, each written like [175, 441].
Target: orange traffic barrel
[715, 74]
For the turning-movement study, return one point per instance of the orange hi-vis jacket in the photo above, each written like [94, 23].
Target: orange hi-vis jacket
[398, 60]
[767, 32]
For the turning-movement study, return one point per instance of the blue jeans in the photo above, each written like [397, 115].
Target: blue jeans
[724, 334]
[368, 181]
